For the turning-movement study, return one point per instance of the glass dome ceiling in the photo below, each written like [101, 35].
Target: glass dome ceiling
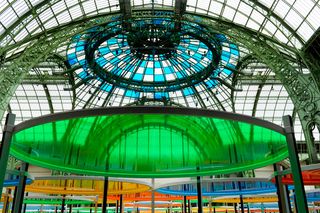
[152, 58]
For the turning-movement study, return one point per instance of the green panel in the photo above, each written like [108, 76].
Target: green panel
[149, 145]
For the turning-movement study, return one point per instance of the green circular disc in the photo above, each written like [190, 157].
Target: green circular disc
[148, 142]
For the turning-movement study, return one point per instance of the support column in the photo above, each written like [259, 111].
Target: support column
[295, 165]
[96, 205]
[6, 201]
[19, 194]
[152, 196]
[5, 146]
[241, 197]
[70, 208]
[235, 208]
[121, 203]
[63, 203]
[105, 194]
[189, 206]
[199, 193]
[283, 199]
[185, 204]
[24, 205]
[117, 206]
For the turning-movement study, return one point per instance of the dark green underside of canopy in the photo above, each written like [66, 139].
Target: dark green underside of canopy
[149, 145]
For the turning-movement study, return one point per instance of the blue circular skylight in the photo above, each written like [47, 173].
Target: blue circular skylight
[152, 56]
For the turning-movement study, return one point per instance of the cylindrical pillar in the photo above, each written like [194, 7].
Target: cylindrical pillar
[6, 201]
[117, 206]
[152, 196]
[241, 198]
[185, 204]
[283, 199]
[121, 203]
[189, 206]
[199, 194]
[63, 203]
[70, 208]
[5, 146]
[19, 194]
[295, 165]
[105, 194]
[96, 205]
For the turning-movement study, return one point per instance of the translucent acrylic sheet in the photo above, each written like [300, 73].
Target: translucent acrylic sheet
[84, 187]
[149, 145]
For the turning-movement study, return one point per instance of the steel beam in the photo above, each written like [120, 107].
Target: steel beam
[105, 195]
[19, 194]
[199, 194]
[283, 199]
[300, 193]
[5, 146]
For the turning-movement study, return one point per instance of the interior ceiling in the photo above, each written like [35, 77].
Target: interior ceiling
[284, 24]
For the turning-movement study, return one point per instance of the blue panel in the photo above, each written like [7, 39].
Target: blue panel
[187, 91]
[226, 71]
[79, 48]
[211, 83]
[157, 64]
[225, 58]
[149, 71]
[106, 87]
[179, 75]
[72, 56]
[131, 93]
[167, 70]
[83, 74]
[82, 62]
[158, 78]
[138, 77]
[234, 52]
[72, 61]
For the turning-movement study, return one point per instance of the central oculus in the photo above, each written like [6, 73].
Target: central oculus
[152, 55]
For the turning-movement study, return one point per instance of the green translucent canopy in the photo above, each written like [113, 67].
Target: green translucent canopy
[148, 142]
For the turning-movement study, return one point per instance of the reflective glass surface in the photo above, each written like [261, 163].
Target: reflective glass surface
[149, 145]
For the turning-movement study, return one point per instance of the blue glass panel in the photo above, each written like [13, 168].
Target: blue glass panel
[168, 70]
[82, 62]
[106, 87]
[211, 83]
[235, 52]
[149, 71]
[225, 58]
[158, 78]
[226, 71]
[72, 56]
[138, 77]
[72, 61]
[187, 91]
[157, 64]
[81, 43]
[79, 48]
[83, 74]
[131, 93]
[179, 75]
